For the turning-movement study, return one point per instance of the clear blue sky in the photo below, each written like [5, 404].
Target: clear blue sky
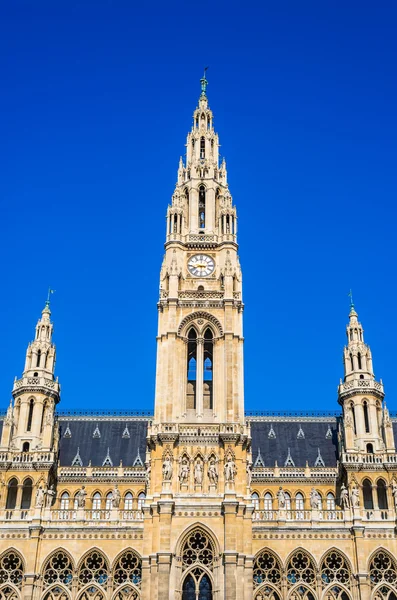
[96, 102]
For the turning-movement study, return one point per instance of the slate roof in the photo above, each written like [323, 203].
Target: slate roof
[95, 449]
[302, 448]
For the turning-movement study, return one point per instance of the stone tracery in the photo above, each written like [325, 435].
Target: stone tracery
[334, 569]
[267, 568]
[300, 569]
[94, 569]
[11, 570]
[58, 569]
[198, 549]
[128, 569]
[383, 573]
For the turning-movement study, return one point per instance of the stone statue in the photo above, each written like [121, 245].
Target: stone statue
[80, 497]
[116, 497]
[248, 470]
[40, 494]
[148, 474]
[355, 497]
[198, 472]
[281, 498]
[49, 418]
[230, 469]
[315, 499]
[184, 471]
[344, 497]
[213, 472]
[394, 492]
[50, 494]
[167, 469]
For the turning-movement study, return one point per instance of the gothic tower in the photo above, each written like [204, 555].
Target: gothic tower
[199, 459]
[199, 374]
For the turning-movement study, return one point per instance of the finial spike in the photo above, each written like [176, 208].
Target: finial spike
[47, 303]
[350, 294]
[204, 82]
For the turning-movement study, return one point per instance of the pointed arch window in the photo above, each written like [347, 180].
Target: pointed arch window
[38, 358]
[299, 505]
[301, 568]
[367, 495]
[267, 569]
[64, 512]
[354, 417]
[202, 147]
[191, 370]
[26, 494]
[351, 362]
[141, 500]
[359, 360]
[96, 505]
[255, 500]
[12, 494]
[208, 369]
[366, 416]
[201, 207]
[30, 415]
[11, 571]
[381, 495]
[128, 498]
[93, 570]
[58, 570]
[383, 570]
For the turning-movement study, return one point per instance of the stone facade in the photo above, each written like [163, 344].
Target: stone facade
[198, 501]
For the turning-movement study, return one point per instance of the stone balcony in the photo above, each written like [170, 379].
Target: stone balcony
[361, 386]
[323, 518]
[371, 461]
[78, 517]
[37, 384]
[22, 460]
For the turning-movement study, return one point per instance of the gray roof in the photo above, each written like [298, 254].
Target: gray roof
[303, 448]
[95, 448]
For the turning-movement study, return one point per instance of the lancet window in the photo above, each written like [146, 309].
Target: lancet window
[56, 593]
[197, 552]
[12, 494]
[26, 494]
[383, 576]
[208, 369]
[201, 207]
[191, 369]
[8, 593]
[92, 593]
[381, 494]
[30, 415]
[367, 495]
[126, 593]
[202, 147]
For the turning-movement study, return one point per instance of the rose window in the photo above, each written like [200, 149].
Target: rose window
[301, 570]
[266, 569]
[198, 548]
[11, 569]
[56, 593]
[94, 569]
[58, 570]
[334, 569]
[383, 569]
[128, 569]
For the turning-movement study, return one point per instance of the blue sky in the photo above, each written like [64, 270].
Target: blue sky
[96, 102]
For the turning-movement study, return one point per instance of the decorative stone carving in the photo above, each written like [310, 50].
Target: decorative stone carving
[315, 499]
[116, 497]
[213, 472]
[81, 497]
[184, 471]
[40, 495]
[50, 495]
[167, 469]
[344, 497]
[198, 472]
[355, 497]
[230, 469]
[281, 498]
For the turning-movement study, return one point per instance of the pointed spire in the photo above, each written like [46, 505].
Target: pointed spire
[328, 435]
[289, 461]
[300, 434]
[126, 433]
[272, 434]
[319, 462]
[138, 461]
[259, 462]
[107, 462]
[77, 462]
[68, 433]
[97, 433]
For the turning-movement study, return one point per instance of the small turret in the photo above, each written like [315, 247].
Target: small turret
[29, 423]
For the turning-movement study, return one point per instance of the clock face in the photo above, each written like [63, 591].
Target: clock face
[201, 265]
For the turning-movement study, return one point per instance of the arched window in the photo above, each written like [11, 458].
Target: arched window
[42, 415]
[128, 569]
[301, 569]
[287, 501]
[126, 593]
[141, 500]
[383, 575]
[38, 358]
[354, 417]
[198, 549]
[267, 569]
[56, 593]
[197, 585]
[208, 371]
[11, 570]
[30, 415]
[92, 593]
[370, 449]
[64, 508]
[331, 513]
[25, 447]
[58, 569]
[255, 500]
[299, 505]
[108, 502]
[202, 147]
[26, 494]
[128, 498]
[201, 207]
[191, 369]
[268, 502]
[12, 493]
[302, 593]
[382, 494]
[359, 360]
[366, 418]
[367, 494]
[351, 362]
[93, 570]
[8, 593]
[96, 505]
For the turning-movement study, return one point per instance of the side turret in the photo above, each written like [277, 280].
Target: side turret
[29, 424]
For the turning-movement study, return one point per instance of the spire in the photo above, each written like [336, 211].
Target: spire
[357, 355]
[40, 355]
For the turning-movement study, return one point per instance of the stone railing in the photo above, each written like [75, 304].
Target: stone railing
[96, 515]
[361, 385]
[27, 457]
[322, 516]
[39, 382]
[356, 458]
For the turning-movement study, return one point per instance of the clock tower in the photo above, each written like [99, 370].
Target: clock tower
[199, 374]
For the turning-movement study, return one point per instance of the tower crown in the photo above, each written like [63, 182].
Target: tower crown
[40, 355]
[357, 357]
